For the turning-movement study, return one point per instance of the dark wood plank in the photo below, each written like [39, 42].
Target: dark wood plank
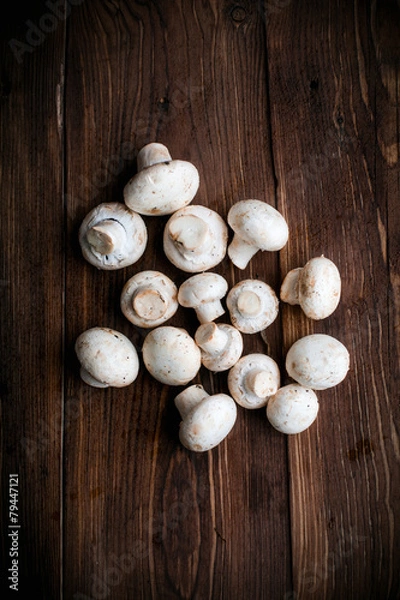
[335, 138]
[294, 104]
[144, 518]
[31, 287]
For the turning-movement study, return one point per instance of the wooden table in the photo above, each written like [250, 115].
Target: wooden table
[293, 103]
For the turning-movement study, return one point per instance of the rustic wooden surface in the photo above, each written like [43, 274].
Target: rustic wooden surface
[295, 103]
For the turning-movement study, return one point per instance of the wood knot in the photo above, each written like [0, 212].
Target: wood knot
[340, 119]
[163, 103]
[238, 13]
[362, 448]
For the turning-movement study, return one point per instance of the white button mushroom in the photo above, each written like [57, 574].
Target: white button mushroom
[161, 185]
[221, 345]
[203, 293]
[316, 287]
[149, 298]
[108, 358]
[195, 238]
[171, 355]
[253, 379]
[257, 226]
[317, 361]
[112, 236]
[292, 409]
[252, 305]
[206, 420]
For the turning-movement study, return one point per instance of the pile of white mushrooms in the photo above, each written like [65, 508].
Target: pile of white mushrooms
[195, 240]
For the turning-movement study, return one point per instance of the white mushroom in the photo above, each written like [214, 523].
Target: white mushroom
[171, 355]
[149, 298]
[162, 185]
[221, 345]
[195, 238]
[257, 226]
[206, 420]
[203, 292]
[316, 287]
[318, 361]
[253, 379]
[252, 305]
[112, 236]
[292, 409]
[107, 357]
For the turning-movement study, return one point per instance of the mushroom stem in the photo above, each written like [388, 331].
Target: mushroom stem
[211, 338]
[261, 383]
[107, 236]
[209, 311]
[149, 304]
[241, 252]
[189, 398]
[290, 287]
[249, 304]
[190, 232]
[152, 154]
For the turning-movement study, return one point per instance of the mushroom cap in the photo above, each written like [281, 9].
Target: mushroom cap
[319, 287]
[208, 423]
[202, 288]
[252, 305]
[316, 287]
[171, 355]
[264, 375]
[259, 224]
[318, 361]
[292, 409]
[108, 356]
[149, 298]
[207, 232]
[162, 188]
[133, 233]
[229, 355]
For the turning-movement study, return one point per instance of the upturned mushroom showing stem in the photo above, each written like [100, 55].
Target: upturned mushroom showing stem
[112, 236]
[206, 420]
[161, 185]
[221, 345]
[252, 305]
[257, 226]
[195, 239]
[149, 298]
[253, 379]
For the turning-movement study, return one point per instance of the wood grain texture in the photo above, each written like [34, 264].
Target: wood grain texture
[293, 103]
[192, 77]
[31, 287]
[339, 185]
